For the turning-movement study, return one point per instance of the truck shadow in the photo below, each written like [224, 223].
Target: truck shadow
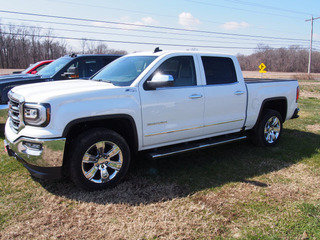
[151, 181]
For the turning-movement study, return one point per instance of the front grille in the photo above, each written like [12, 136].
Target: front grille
[14, 111]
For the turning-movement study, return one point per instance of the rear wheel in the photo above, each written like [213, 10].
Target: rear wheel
[269, 129]
[100, 159]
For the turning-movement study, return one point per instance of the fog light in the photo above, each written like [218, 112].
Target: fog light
[34, 146]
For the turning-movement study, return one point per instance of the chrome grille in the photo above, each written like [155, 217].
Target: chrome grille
[14, 111]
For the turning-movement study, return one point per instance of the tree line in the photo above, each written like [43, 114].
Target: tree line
[291, 59]
[21, 46]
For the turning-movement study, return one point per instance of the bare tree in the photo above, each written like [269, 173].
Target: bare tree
[291, 59]
[21, 46]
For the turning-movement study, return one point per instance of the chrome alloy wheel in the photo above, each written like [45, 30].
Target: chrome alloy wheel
[272, 129]
[102, 162]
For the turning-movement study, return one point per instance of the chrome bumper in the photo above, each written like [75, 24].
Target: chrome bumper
[42, 157]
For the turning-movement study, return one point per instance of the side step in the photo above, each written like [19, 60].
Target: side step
[190, 146]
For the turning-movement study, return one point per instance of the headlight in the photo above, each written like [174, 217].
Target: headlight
[36, 114]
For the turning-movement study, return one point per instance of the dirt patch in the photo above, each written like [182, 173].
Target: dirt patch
[309, 89]
[313, 128]
[307, 94]
[281, 75]
[306, 83]
[9, 71]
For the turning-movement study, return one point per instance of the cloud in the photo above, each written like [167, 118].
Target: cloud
[127, 20]
[99, 24]
[149, 21]
[188, 21]
[142, 21]
[235, 25]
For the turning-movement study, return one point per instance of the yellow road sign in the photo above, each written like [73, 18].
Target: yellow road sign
[262, 66]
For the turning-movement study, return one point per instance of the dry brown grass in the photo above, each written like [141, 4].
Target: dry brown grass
[81, 215]
[277, 190]
[141, 208]
[310, 89]
[101, 215]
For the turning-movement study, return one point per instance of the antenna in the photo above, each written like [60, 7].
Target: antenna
[157, 49]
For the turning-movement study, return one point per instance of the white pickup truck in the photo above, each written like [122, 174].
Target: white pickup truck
[150, 102]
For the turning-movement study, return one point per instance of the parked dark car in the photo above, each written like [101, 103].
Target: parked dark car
[64, 68]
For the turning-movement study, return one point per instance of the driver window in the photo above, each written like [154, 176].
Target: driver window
[181, 69]
[73, 71]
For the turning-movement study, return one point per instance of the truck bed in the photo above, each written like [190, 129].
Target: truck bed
[265, 80]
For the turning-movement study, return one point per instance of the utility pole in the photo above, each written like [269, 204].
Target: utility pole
[311, 36]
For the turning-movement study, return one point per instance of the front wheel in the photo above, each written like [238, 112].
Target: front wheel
[100, 158]
[268, 129]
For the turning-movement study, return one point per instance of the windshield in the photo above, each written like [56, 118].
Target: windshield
[123, 71]
[55, 66]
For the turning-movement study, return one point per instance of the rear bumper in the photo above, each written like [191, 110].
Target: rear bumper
[42, 157]
[295, 114]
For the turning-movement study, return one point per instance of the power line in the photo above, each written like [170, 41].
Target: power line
[266, 7]
[152, 13]
[144, 36]
[132, 42]
[239, 9]
[151, 26]
[148, 31]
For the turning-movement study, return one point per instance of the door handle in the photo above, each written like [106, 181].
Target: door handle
[195, 96]
[239, 92]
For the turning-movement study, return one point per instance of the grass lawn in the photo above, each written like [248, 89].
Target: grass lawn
[233, 191]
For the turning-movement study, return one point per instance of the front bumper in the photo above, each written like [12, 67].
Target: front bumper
[42, 157]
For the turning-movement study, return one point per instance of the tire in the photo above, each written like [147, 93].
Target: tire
[268, 130]
[100, 158]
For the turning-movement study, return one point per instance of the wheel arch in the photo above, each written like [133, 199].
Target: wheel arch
[121, 123]
[278, 104]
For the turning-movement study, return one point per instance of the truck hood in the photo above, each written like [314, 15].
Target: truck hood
[72, 89]
[18, 77]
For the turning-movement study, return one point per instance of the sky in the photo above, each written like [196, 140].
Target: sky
[225, 26]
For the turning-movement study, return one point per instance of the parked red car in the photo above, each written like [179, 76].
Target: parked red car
[36, 67]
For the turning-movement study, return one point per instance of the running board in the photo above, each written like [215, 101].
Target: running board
[186, 147]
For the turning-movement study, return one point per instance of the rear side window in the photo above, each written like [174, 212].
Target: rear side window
[219, 70]
[90, 67]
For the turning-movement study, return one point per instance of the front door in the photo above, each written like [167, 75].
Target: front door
[174, 113]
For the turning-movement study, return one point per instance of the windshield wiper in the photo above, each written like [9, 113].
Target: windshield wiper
[101, 80]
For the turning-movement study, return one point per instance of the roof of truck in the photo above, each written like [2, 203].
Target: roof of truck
[160, 53]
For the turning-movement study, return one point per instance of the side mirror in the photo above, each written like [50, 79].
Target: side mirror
[73, 72]
[34, 72]
[160, 81]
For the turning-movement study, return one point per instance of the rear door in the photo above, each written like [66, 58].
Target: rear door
[225, 96]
